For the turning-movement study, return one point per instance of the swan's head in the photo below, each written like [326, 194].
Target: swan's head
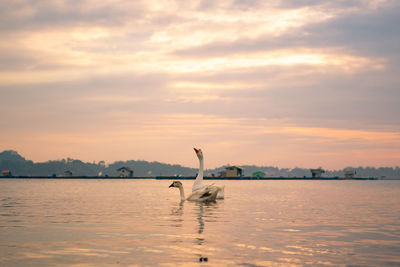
[176, 184]
[199, 153]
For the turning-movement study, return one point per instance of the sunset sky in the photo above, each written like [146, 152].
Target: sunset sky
[278, 83]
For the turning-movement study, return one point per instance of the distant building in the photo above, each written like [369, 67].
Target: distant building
[125, 172]
[6, 173]
[259, 174]
[232, 171]
[67, 173]
[317, 173]
[349, 173]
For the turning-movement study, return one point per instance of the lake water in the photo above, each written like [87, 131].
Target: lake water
[141, 223]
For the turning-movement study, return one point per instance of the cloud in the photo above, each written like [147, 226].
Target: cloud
[35, 15]
[367, 32]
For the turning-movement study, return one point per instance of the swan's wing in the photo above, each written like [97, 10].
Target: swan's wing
[207, 193]
[196, 195]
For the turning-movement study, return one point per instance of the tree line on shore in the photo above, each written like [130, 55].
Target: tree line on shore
[19, 166]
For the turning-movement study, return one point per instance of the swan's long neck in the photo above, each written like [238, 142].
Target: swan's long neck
[201, 167]
[199, 179]
[182, 192]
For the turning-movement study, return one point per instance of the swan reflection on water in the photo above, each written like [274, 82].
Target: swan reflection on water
[205, 210]
[203, 207]
[200, 211]
[200, 218]
[177, 212]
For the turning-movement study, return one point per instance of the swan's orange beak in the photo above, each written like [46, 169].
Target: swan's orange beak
[197, 150]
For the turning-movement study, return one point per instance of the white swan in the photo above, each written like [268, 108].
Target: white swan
[205, 194]
[198, 183]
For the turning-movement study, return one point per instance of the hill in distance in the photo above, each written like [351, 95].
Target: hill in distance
[19, 166]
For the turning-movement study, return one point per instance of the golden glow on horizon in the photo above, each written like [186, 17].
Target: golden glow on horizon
[135, 132]
[346, 134]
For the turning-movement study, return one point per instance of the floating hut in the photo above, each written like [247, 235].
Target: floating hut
[125, 172]
[6, 173]
[232, 171]
[67, 173]
[349, 173]
[259, 174]
[317, 173]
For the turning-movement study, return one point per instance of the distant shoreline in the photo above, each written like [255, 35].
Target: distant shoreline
[189, 178]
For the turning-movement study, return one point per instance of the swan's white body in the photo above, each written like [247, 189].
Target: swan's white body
[205, 194]
[198, 183]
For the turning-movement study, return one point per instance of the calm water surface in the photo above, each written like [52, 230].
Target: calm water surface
[142, 223]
